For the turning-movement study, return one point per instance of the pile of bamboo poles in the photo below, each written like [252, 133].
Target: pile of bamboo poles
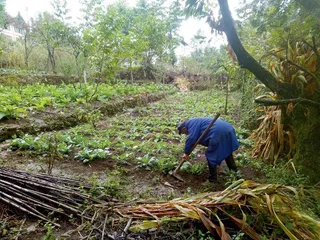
[40, 195]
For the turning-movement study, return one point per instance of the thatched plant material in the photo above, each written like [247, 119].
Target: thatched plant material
[271, 138]
[183, 84]
[274, 203]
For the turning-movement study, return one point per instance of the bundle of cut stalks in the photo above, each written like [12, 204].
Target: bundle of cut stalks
[41, 195]
[183, 84]
[270, 203]
[272, 137]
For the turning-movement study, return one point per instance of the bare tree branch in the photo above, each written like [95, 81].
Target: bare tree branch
[270, 102]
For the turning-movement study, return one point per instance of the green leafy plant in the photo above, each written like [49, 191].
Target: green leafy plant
[49, 232]
[110, 185]
[195, 168]
[203, 236]
[17, 102]
[86, 155]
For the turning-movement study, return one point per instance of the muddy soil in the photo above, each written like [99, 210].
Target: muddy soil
[136, 182]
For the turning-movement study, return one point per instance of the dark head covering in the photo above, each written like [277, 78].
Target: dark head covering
[182, 125]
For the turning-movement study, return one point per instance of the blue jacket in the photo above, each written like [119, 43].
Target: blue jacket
[221, 138]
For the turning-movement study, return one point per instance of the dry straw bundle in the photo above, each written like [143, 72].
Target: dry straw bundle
[271, 202]
[271, 137]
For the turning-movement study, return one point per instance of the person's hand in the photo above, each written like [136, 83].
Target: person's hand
[185, 156]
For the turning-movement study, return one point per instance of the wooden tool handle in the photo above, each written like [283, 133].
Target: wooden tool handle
[204, 133]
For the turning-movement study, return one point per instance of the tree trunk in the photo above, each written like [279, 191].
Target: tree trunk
[77, 64]
[85, 68]
[26, 57]
[305, 120]
[306, 124]
[227, 93]
[85, 76]
[131, 74]
[52, 59]
[246, 60]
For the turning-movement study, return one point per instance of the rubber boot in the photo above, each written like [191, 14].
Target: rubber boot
[231, 163]
[213, 174]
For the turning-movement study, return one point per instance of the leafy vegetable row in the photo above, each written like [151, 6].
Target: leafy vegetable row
[144, 136]
[18, 101]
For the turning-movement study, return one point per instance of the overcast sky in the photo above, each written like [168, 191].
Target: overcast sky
[31, 8]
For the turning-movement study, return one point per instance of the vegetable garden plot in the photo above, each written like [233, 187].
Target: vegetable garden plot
[145, 136]
[18, 101]
[55, 109]
[122, 149]
[143, 139]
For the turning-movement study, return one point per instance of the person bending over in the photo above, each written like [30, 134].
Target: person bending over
[220, 140]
